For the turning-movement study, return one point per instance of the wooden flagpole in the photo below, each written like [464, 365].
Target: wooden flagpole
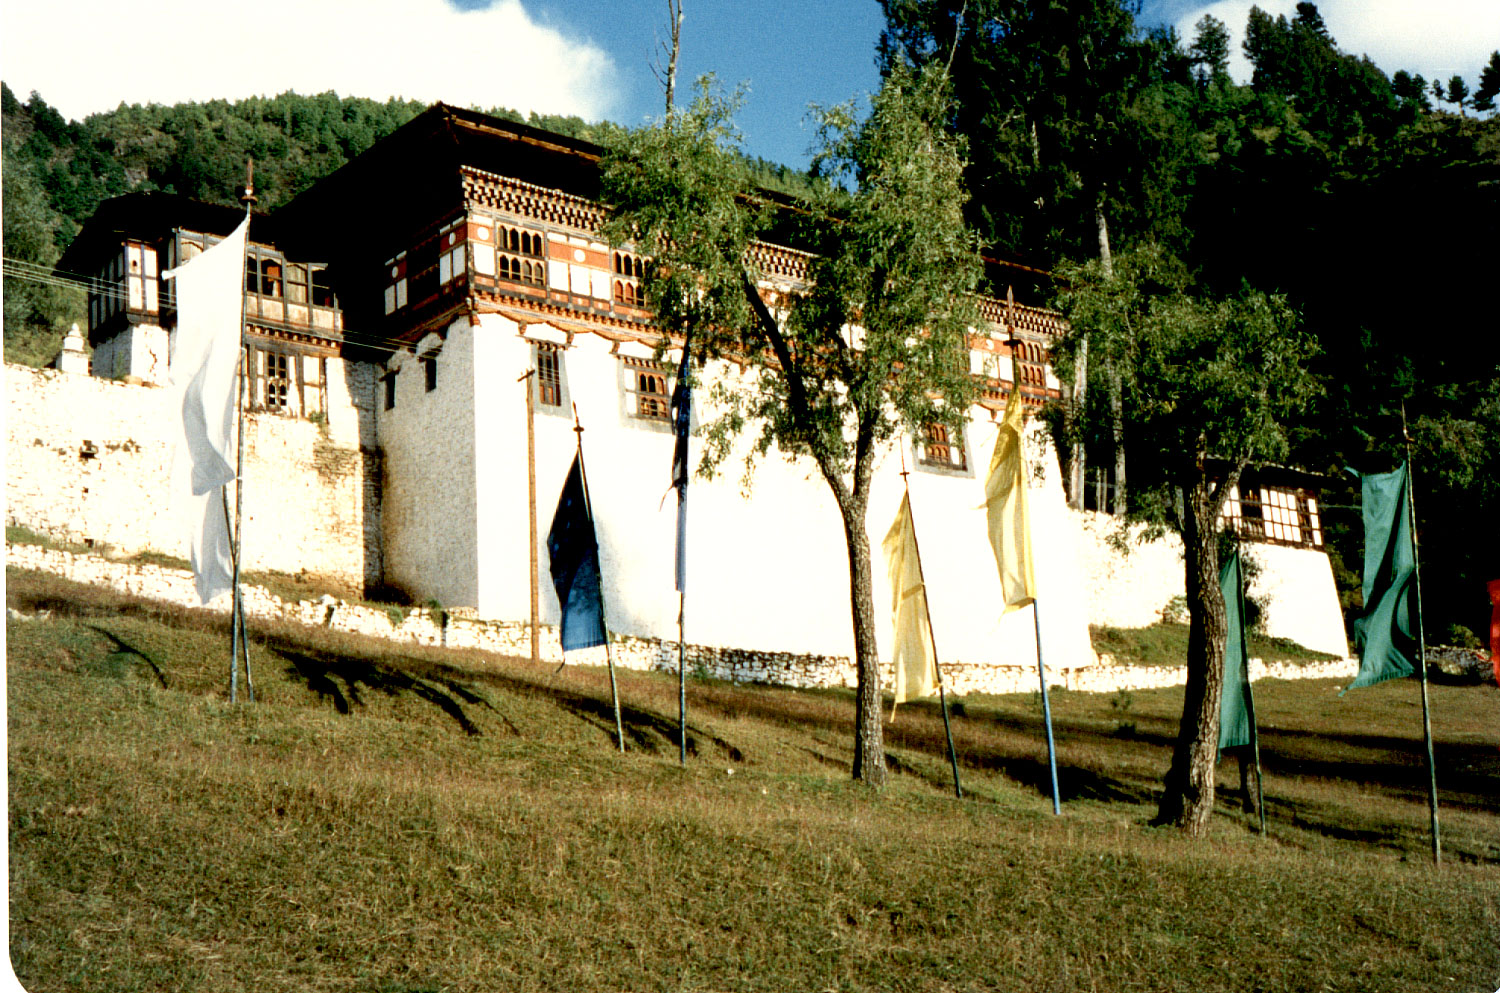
[237, 640]
[609, 652]
[958, 789]
[1411, 507]
[530, 378]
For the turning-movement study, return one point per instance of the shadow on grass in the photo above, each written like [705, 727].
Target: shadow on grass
[342, 679]
[128, 650]
[646, 730]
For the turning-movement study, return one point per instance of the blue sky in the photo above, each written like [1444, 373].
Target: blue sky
[586, 57]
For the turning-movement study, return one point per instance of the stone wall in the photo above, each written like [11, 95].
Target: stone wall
[456, 630]
[88, 461]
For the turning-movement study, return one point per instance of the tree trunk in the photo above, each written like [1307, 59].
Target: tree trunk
[1189, 797]
[869, 733]
[1073, 455]
[1116, 399]
[674, 14]
[1117, 432]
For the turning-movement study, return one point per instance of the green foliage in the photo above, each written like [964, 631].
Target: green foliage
[1489, 84]
[1202, 377]
[1068, 110]
[892, 255]
[878, 338]
[37, 313]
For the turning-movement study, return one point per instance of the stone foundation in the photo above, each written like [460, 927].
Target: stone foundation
[424, 626]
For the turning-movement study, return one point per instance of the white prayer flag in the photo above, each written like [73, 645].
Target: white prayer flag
[205, 355]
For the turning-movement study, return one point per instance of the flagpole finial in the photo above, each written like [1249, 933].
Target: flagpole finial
[904, 473]
[247, 193]
[577, 425]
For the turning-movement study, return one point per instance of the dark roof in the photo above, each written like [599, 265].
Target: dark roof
[150, 217]
[409, 178]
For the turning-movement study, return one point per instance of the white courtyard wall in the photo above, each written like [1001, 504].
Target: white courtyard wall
[429, 514]
[768, 567]
[139, 351]
[1130, 581]
[1299, 597]
[88, 461]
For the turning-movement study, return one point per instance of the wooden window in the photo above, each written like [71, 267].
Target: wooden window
[322, 289]
[627, 290]
[1275, 514]
[940, 447]
[452, 254]
[395, 285]
[515, 247]
[549, 375]
[296, 283]
[651, 395]
[647, 390]
[277, 382]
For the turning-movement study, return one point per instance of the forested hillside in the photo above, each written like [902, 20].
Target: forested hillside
[1367, 196]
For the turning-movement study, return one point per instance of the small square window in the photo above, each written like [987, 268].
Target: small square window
[942, 448]
[549, 376]
[648, 391]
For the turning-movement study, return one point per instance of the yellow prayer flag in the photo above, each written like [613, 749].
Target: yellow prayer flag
[915, 663]
[1009, 521]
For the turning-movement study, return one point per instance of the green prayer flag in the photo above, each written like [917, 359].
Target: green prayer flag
[1384, 634]
[1236, 708]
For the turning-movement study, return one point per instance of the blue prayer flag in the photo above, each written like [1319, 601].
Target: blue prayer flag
[574, 556]
[682, 416]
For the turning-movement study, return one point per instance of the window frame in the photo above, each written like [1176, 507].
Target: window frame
[938, 448]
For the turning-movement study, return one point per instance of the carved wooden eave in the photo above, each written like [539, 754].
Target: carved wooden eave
[526, 200]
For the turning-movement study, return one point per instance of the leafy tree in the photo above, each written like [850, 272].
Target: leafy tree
[1210, 51]
[1458, 92]
[894, 259]
[1075, 139]
[1489, 85]
[1210, 385]
[37, 312]
[1411, 90]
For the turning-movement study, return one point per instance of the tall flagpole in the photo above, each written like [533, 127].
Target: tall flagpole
[530, 378]
[609, 652]
[682, 417]
[237, 640]
[958, 789]
[1260, 788]
[1041, 667]
[1411, 507]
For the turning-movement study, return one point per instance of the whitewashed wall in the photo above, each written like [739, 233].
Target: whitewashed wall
[310, 497]
[139, 351]
[1301, 599]
[768, 568]
[429, 513]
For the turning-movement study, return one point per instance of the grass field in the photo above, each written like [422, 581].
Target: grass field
[395, 819]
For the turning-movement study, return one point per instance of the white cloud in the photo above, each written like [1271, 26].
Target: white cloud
[90, 56]
[1436, 38]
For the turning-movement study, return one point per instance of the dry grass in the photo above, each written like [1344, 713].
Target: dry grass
[398, 819]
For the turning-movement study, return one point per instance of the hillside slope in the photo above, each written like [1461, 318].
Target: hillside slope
[387, 818]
